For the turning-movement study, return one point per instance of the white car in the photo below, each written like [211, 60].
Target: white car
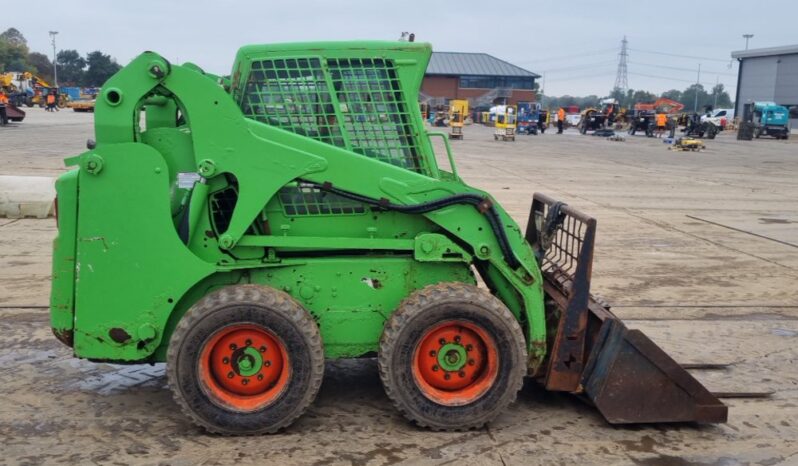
[573, 119]
[719, 117]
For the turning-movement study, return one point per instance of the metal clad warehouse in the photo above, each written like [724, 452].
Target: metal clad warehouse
[769, 74]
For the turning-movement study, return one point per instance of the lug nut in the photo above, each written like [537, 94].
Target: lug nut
[469, 347]
[233, 346]
[248, 342]
[471, 362]
[225, 360]
[432, 353]
[442, 341]
[263, 349]
[230, 375]
[245, 381]
[457, 339]
[267, 363]
[447, 376]
[461, 374]
[260, 376]
[435, 368]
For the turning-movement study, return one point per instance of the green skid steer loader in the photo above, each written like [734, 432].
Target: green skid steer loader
[244, 229]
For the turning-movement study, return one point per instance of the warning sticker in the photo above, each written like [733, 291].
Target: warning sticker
[186, 180]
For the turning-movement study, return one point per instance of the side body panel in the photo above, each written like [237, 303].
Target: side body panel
[62, 296]
[131, 266]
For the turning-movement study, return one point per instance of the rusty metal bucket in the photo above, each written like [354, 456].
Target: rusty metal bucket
[621, 371]
[14, 113]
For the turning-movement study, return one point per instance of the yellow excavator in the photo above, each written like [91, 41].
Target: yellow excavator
[9, 111]
[29, 89]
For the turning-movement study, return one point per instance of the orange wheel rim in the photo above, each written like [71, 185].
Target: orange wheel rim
[455, 363]
[244, 367]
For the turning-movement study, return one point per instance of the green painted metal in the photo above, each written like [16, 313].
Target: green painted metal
[198, 182]
[349, 297]
[249, 362]
[62, 302]
[452, 357]
[449, 154]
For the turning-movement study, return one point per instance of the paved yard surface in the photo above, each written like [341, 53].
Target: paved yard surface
[699, 250]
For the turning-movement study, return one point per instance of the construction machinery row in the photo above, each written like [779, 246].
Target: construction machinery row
[649, 118]
[507, 120]
[24, 89]
[27, 89]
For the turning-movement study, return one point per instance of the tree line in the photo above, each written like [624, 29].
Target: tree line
[73, 69]
[717, 97]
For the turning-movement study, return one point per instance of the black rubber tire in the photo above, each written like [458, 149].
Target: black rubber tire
[711, 130]
[407, 325]
[259, 305]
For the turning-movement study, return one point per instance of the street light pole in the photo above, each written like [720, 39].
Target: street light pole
[747, 36]
[543, 88]
[55, 67]
[697, 83]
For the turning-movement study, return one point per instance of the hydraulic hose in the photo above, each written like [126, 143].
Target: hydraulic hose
[482, 203]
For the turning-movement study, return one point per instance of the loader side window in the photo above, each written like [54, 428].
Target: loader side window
[376, 119]
[356, 104]
[292, 94]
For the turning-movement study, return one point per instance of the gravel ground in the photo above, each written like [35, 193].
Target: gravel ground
[699, 250]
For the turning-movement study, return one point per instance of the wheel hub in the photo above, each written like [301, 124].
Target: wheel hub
[452, 357]
[245, 361]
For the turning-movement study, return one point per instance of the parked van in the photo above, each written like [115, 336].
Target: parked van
[719, 117]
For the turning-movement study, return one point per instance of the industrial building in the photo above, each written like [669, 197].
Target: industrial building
[482, 79]
[768, 74]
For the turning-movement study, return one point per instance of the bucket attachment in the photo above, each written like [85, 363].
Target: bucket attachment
[621, 371]
[14, 113]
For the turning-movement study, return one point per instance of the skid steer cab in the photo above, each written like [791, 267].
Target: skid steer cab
[244, 229]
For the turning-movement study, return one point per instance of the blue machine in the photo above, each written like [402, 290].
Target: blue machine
[528, 115]
[72, 92]
[771, 119]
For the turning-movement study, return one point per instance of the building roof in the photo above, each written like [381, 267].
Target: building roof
[767, 52]
[479, 64]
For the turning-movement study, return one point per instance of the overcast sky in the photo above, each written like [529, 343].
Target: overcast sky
[575, 43]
